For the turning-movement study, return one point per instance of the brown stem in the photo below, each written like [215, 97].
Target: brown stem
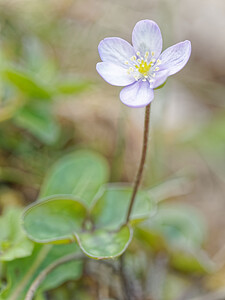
[142, 162]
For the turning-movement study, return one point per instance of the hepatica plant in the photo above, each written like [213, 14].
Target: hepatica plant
[141, 67]
[76, 203]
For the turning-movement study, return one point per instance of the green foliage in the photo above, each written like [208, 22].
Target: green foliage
[22, 272]
[56, 219]
[102, 243]
[78, 211]
[38, 119]
[13, 241]
[110, 210]
[27, 84]
[69, 86]
[81, 174]
[179, 231]
[63, 220]
[100, 231]
[32, 104]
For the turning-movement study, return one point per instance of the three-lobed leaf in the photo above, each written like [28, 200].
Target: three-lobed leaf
[100, 228]
[63, 220]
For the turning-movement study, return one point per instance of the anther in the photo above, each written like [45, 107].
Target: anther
[146, 54]
[152, 53]
[138, 53]
[157, 69]
[126, 62]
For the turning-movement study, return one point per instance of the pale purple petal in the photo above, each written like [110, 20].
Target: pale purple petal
[159, 79]
[175, 57]
[115, 50]
[147, 36]
[138, 94]
[114, 74]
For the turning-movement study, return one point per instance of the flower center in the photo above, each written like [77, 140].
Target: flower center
[144, 67]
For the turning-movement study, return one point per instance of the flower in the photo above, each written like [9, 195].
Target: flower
[143, 67]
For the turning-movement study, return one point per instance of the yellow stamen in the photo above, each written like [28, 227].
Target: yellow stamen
[146, 54]
[144, 68]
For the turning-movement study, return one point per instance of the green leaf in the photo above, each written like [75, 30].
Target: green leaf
[180, 224]
[13, 241]
[64, 220]
[80, 173]
[54, 220]
[102, 244]
[70, 87]
[180, 231]
[27, 84]
[22, 272]
[71, 270]
[191, 260]
[110, 210]
[38, 119]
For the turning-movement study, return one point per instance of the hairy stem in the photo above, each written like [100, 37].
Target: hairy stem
[39, 279]
[142, 162]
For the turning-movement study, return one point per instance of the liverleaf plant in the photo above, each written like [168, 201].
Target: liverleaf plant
[140, 68]
[76, 204]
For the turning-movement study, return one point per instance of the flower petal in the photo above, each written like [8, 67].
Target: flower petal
[115, 50]
[159, 79]
[138, 94]
[147, 36]
[175, 57]
[114, 74]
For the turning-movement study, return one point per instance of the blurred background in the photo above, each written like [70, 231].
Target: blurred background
[53, 101]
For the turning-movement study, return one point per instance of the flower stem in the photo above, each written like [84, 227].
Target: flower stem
[142, 162]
